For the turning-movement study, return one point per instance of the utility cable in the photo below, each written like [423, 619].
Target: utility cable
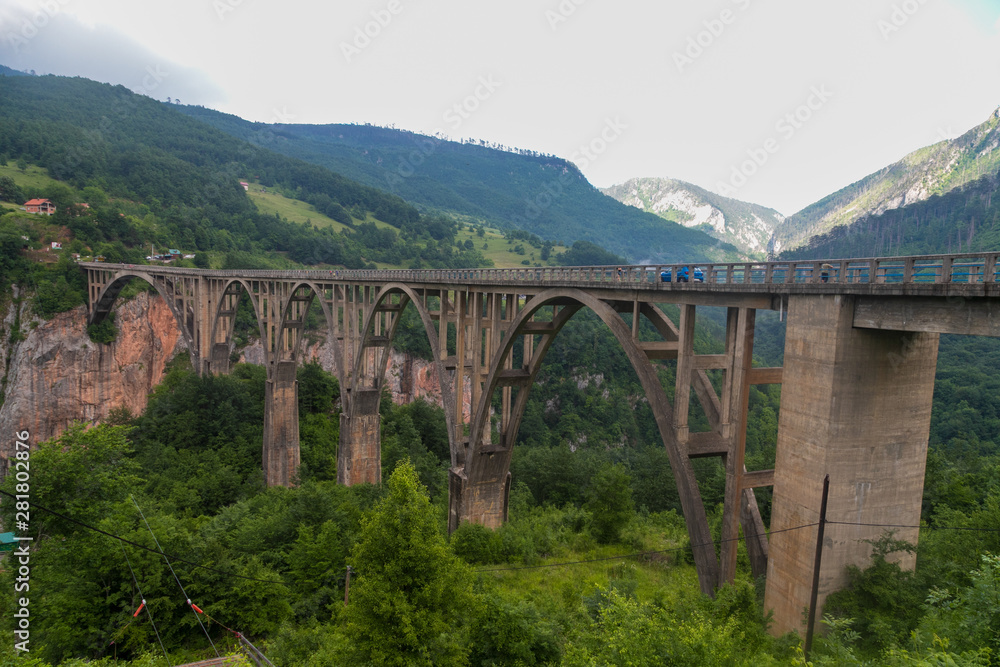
[892, 525]
[142, 546]
[194, 609]
[638, 554]
[143, 598]
[720, 542]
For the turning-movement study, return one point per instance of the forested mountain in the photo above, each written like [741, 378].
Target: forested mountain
[543, 194]
[934, 170]
[747, 226]
[966, 219]
[594, 566]
[158, 176]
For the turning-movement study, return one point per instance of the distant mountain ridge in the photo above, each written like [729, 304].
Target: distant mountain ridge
[933, 170]
[747, 226]
[510, 189]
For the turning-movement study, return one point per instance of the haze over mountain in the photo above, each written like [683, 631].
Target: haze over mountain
[933, 170]
[506, 187]
[747, 226]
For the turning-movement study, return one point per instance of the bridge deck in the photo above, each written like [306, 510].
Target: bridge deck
[968, 276]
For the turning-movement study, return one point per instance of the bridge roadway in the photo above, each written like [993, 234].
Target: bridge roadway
[860, 356]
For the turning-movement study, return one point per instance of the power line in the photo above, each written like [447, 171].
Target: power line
[194, 609]
[142, 546]
[143, 598]
[638, 554]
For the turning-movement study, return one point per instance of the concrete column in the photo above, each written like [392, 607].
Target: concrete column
[359, 457]
[220, 359]
[281, 426]
[484, 503]
[855, 403]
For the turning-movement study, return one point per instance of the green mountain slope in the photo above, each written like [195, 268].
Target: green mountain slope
[966, 219]
[175, 181]
[934, 170]
[542, 194]
[747, 226]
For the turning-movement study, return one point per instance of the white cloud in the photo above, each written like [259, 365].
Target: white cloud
[562, 81]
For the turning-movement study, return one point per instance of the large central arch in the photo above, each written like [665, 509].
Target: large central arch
[483, 484]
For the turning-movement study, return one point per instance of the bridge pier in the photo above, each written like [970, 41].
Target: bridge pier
[855, 404]
[484, 503]
[281, 426]
[219, 362]
[359, 456]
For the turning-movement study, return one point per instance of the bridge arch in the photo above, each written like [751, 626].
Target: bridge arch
[224, 322]
[371, 359]
[105, 301]
[481, 487]
[359, 458]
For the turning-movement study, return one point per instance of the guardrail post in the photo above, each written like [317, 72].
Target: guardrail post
[990, 269]
[945, 275]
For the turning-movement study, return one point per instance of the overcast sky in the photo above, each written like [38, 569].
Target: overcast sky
[779, 102]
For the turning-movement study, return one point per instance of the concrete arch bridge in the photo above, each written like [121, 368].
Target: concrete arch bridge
[860, 357]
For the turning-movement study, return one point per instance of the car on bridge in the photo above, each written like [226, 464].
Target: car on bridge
[683, 275]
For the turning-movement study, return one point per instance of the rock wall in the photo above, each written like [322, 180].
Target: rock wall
[57, 375]
[407, 378]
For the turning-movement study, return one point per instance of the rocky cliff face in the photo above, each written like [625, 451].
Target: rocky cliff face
[407, 378]
[745, 225]
[57, 375]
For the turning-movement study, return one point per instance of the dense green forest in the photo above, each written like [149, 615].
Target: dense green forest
[503, 186]
[963, 220]
[593, 568]
[592, 487]
[155, 176]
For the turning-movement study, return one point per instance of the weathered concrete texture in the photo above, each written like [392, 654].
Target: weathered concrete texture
[407, 377]
[281, 428]
[486, 503]
[57, 375]
[856, 404]
[359, 456]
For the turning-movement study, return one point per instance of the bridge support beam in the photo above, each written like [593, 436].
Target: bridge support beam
[484, 503]
[855, 404]
[281, 426]
[359, 457]
[219, 364]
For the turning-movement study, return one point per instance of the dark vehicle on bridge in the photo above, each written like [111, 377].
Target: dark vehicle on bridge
[683, 275]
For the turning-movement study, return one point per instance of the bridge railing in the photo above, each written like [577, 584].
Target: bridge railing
[960, 268]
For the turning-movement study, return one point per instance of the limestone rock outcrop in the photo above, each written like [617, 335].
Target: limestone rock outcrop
[57, 375]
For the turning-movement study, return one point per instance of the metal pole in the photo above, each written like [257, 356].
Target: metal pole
[347, 585]
[819, 559]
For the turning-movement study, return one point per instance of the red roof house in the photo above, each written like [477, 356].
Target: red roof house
[43, 206]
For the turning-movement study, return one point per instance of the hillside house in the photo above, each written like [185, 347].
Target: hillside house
[43, 206]
[246, 186]
[56, 245]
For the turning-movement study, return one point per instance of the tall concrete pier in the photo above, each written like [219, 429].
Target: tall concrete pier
[855, 405]
[860, 355]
